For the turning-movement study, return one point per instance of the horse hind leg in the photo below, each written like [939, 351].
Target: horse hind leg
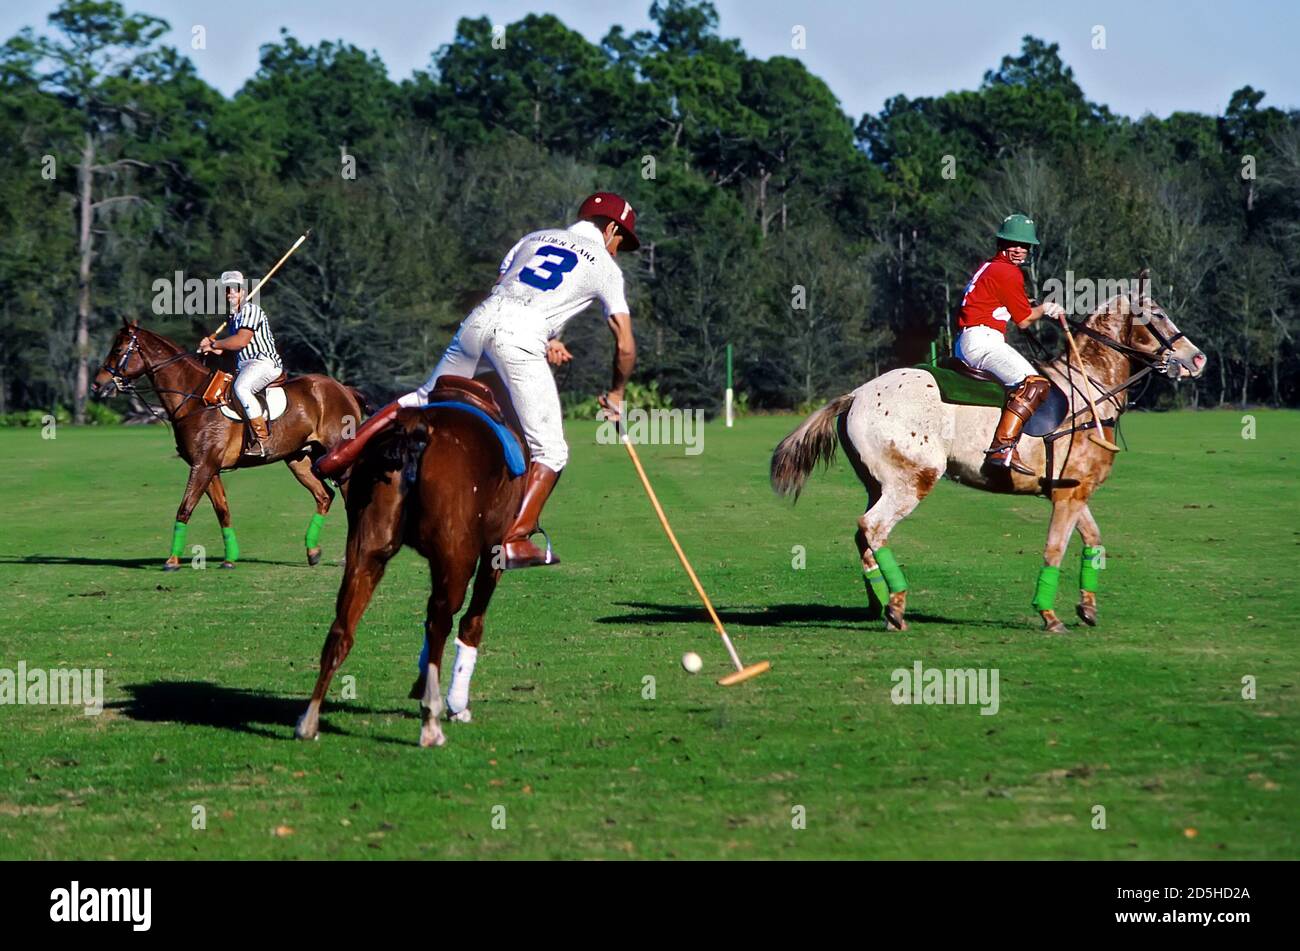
[1092, 561]
[445, 600]
[884, 576]
[324, 496]
[468, 639]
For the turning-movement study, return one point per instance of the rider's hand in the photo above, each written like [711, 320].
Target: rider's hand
[612, 404]
[1052, 309]
[557, 353]
[205, 346]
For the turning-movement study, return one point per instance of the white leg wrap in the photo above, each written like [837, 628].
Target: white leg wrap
[461, 672]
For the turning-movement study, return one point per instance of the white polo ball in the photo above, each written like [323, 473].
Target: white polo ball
[691, 662]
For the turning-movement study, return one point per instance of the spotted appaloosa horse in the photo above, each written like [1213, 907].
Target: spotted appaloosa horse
[320, 410]
[437, 481]
[901, 437]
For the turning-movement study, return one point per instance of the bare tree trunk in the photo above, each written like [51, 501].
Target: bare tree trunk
[81, 388]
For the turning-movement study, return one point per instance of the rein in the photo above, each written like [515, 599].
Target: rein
[126, 386]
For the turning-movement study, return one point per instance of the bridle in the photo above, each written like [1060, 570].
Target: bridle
[123, 383]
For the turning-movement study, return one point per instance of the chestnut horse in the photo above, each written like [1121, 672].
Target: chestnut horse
[438, 482]
[320, 411]
[901, 437]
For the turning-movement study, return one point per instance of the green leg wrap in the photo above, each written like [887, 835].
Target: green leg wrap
[893, 574]
[1089, 569]
[178, 539]
[232, 544]
[1049, 576]
[876, 579]
[313, 530]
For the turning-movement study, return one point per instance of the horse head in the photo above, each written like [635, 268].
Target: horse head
[1137, 322]
[124, 362]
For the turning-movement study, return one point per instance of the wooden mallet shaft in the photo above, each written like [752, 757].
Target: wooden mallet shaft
[742, 672]
[1099, 437]
[253, 293]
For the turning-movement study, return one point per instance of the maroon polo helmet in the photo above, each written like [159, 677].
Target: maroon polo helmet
[618, 210]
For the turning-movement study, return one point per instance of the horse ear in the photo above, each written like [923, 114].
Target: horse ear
[135, 324]
[124, 323]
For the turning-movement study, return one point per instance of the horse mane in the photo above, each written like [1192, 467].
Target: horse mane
[193, 359]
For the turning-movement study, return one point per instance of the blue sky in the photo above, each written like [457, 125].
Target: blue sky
[1161, 56]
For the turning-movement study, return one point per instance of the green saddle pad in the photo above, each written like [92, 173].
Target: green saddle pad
[955, 387]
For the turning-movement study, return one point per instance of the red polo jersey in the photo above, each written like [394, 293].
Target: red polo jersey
[994, 295]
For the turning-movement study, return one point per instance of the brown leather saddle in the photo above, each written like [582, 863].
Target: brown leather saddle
[960, 366]
[217, 392]
[459, 389]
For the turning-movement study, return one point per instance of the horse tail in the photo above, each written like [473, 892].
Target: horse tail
[367, 407]
[814, 441]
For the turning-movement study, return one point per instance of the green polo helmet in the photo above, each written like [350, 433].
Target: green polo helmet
[1018, 228]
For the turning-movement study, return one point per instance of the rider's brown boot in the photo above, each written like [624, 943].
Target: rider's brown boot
[518, 549]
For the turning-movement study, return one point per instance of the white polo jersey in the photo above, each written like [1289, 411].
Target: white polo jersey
[262, 345]
[556, 273]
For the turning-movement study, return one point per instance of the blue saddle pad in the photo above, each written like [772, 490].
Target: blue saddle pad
[514, 453]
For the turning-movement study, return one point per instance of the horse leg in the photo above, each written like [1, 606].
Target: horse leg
[200, 475]
[468, 639]
[445, 600]
[1065, 511]
[896, 502]
[217, 496]
[324, 496]
[1093, 559]
[374, 536]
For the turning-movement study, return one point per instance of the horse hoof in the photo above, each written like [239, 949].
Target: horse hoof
[894, 621]
[1087, 614]
[430, 738]
[303, 733]
[171, 566]
[462, 717]
[227, 564]
[313, 557]
[1055, 626]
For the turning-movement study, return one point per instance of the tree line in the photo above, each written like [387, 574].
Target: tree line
[825, 250]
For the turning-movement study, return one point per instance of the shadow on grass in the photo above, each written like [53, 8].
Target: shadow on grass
[833, 616]
[155, 563]
[199, 703]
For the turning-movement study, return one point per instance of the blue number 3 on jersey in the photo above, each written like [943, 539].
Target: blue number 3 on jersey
[547, 268]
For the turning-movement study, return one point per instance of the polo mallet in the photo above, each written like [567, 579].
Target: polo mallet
[1099, 437]
[253, 293]
[741, 673]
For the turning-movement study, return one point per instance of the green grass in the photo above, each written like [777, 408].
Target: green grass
[206, 671]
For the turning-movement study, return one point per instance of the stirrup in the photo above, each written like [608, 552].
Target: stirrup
[548, 556]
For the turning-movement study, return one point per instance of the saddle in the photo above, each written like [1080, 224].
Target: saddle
[471, 396]
[960, 366]
[459, 389]
[218, 393]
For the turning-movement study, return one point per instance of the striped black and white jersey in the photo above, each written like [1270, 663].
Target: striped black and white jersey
[262, 346]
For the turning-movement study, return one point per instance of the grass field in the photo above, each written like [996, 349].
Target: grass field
[206, 671]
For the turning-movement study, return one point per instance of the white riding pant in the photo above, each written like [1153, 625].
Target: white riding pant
[512, 342]
[984, 348]
[252, 378]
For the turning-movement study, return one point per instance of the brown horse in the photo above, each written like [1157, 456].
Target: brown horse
[900, 438]
[437, 481]
[319, 412]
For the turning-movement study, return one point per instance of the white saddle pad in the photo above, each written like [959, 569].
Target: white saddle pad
[276, 402]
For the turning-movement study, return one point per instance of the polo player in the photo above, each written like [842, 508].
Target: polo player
[547, 278]
[258, 363]
[994, 296]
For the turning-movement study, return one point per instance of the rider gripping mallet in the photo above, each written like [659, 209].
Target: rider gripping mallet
[742, 673]
[253, 293]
